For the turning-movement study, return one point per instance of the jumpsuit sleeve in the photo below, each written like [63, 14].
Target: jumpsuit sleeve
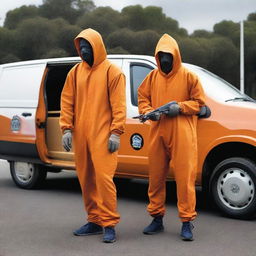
[67, 103]
[144, 96]
[197, 97]
[118, 104]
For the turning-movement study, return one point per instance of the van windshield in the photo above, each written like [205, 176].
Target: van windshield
[218, 88]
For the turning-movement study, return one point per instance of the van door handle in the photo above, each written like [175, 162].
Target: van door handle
[25, 114]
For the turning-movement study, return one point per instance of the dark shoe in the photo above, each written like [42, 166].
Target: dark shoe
[109, 235]
[155, 226]
[186, 231]
[88, 229]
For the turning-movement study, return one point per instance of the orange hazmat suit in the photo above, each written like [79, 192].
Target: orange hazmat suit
[173, 141]
[93, 107]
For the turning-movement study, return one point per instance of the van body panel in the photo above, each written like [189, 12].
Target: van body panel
[19, 86]
[37, 89]
[41, 122]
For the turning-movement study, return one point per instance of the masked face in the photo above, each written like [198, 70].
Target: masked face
[86, 51]
[166, 62]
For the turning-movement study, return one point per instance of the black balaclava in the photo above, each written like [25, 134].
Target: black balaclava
[86, 51]
[166, 62]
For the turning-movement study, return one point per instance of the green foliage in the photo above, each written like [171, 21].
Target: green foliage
[14, 17]
[8, 58]
[103, 19]
[32, 32]
[145, 42]
[7, 44]
[58, 8]
[196, 51]
[137, 18]
[122, 38]
[55, 53]
[133, 18]
[252, 16]
[117, 50]
[35, 36]
[228, 29]
[67, 9]
[225, 59]
[202, 33]
[65, 39]
[83, 6]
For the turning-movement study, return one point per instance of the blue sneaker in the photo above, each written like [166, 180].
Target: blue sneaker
[186, 231]
[88, 229]
[155, 226]
[109, 235]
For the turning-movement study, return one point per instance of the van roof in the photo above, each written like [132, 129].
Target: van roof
[75, 59]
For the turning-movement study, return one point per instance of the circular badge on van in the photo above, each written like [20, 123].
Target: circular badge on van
[136, 141]
[15, 123]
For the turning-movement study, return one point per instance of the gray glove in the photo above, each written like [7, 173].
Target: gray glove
[155, 116]
[67, 140]
[173, 110]
[113, 143]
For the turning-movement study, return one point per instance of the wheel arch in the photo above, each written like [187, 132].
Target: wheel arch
[221, 152]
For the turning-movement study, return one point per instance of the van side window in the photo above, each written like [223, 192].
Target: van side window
[138, 72]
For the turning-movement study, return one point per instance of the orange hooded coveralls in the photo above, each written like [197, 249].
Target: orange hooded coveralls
[93, 107]
[173, 141]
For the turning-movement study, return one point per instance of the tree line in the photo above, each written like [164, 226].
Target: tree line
[48, 30]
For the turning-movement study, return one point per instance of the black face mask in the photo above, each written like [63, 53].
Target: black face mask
[166, 62]
[86, 51]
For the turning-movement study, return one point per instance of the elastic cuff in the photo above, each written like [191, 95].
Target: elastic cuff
[187, 219]
[181, 107]
[117, 132]
[157, 215]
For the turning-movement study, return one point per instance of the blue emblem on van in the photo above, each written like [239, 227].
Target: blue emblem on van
[15, 124]
[136, 141]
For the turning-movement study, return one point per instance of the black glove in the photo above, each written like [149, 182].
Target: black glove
[154, 116]
[173, 110]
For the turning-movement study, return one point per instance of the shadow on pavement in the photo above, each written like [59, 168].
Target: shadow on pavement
[138, 189]
[132, 189]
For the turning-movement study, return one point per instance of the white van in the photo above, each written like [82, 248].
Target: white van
[30, 137]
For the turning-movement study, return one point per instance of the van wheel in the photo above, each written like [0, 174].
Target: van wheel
[233, 187]
[27, 175]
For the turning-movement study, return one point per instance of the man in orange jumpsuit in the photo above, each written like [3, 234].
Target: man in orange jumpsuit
[173, 139]
[93, 110]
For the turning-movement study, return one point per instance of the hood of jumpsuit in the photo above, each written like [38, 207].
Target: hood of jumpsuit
[168, 44]
[98, 47]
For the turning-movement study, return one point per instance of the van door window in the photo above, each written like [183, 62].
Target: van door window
[138, 72]
[54, 84]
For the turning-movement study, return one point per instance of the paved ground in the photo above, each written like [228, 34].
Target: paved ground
[40, 223]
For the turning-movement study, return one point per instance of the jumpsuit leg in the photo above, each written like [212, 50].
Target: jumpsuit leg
[158, 171]
[105, 165]
[184, 164]
[87, 180]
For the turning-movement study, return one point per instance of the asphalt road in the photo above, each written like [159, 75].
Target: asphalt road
[40, 222]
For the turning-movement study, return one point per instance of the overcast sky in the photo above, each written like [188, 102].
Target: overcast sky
[191, 14]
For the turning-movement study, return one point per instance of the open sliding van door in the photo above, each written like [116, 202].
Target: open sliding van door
[19, 93]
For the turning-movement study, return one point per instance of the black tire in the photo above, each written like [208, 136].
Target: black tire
[233, 187]
[27, 175]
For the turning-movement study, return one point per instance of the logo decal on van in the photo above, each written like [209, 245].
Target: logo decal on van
[15, 124]
[136, 141]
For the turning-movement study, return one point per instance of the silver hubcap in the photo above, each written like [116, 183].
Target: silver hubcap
[235, 188]
[24, 171]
